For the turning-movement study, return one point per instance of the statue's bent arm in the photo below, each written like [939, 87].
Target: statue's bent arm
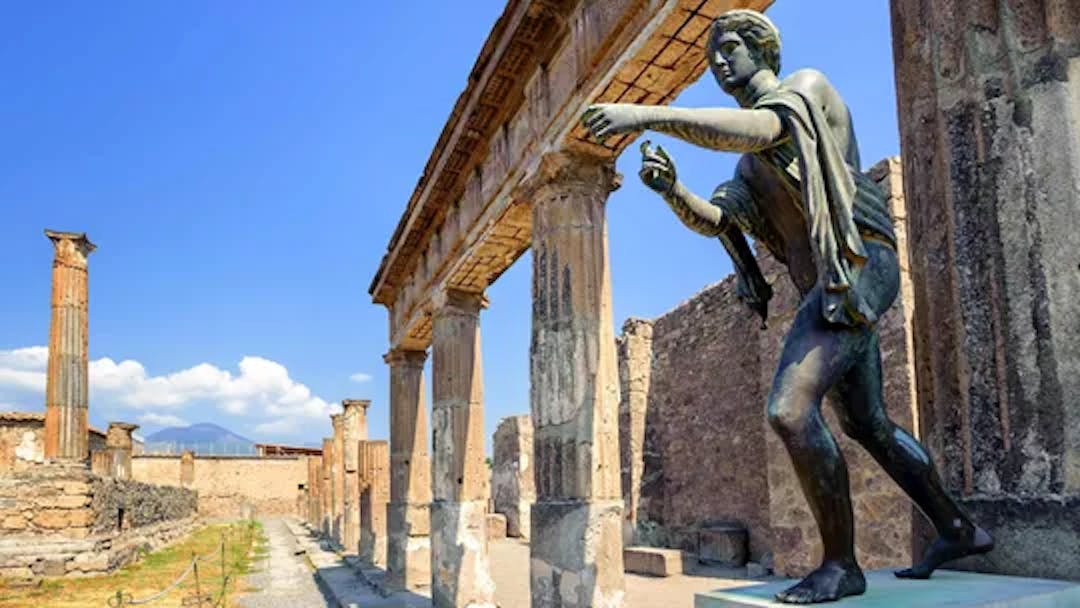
[699, 215]
[722, 129]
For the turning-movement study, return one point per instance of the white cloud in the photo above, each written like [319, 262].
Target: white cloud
[281, 426]
[360, 377]
[162, 419]
[261, 385]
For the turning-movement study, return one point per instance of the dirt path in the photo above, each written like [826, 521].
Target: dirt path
[283, 578]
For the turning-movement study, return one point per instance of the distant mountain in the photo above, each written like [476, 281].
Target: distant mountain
[205, 437]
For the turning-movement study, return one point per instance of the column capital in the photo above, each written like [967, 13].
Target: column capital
[73, 245]
[405, 357]
[119, 434]
[363, 404]
[570, 170]
[450, 299]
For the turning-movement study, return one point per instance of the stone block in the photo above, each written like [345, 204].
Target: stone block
[412, 518]
[576, 554]
[496, 526]
[722, 545]
[653, 561]
[946, 588]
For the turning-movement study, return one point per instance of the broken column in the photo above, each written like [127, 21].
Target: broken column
[375, 492]
[327, 488]
[576, 528]
[989, 106]
[461, 573]
[66, 422]
[354, 430]
[635, 373]
[512, 487]
[337, 472]
[408, 547]
[118, 445]
[187, 468]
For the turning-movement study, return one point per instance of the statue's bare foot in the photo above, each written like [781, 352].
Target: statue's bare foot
[944, 550]
[830, 582]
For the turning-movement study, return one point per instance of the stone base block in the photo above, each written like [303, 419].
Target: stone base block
[373, 549]
[408, 548]
[576, 558]
[723, 545]
[653, 561]
[496, 526]
[946, 588]
[461, 570]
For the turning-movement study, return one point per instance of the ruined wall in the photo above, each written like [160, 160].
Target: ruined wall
[225, 483]
[22, 441]
[703, 437]
[57, 520]
[512, 485]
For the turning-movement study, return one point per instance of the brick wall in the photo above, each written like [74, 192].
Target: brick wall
[226, 484]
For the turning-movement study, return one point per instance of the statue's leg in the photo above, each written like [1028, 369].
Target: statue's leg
[859, 406]
[815, 356]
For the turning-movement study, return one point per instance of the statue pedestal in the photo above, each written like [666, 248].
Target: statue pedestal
[947, 588]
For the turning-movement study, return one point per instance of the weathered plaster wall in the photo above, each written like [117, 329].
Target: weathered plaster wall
[22, 441]
[226, 484]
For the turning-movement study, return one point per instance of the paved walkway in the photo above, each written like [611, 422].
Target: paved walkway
[283, 578]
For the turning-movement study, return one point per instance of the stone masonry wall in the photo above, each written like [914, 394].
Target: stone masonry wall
[512, 487]
[22, 441]
[226, 484]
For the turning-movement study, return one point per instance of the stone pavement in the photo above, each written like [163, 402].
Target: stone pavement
[283, 578]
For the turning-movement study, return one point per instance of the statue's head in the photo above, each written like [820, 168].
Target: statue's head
[742, 42]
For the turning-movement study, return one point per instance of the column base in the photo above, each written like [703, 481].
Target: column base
[408, 547]
[576, 558]
[461, 569]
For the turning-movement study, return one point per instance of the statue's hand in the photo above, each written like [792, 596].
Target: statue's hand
[657, 168]
[606, 119]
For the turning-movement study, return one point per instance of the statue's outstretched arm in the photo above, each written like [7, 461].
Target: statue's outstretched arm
[723, 129]
[658, 173]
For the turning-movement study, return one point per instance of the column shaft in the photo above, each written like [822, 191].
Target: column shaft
[576, 542]
[66, 422]
[118, 444]
[337, 472]
[354, 430]
[375, 493]
[407, 514]
[461, 573]
[326, 524]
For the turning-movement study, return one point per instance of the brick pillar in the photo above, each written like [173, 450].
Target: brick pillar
[326, 507]
[989, 106]
[375, 493]
[66, 423]
[461, 572]
[354, 430]
[337, 479]
[118, 444]
[187, 468]
[408, 560]
[635, 373]
[576, 546]
[512, 487]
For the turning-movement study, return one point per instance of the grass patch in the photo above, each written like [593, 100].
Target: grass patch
[154, 572]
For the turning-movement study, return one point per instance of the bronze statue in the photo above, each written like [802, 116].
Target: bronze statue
[798, 191]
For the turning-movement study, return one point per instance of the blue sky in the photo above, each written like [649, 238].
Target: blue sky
[241, 167]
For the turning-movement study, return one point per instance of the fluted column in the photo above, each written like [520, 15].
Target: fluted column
[374, 493]
[118, 444]
[576, 542]
[461, 573]
[407, 514]
[327, 489]
[66, 422]
[337, 479]
[354, 430]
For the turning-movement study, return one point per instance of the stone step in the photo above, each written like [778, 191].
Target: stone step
[653, 561]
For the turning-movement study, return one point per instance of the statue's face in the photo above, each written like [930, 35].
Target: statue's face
[732, 62]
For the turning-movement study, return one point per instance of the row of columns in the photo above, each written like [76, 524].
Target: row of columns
[437, 513]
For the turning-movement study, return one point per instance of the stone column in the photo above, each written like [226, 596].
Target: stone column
[354, 430]
[989, 106]
[375, 492]
[635, 374]
[118, 443]
[187, 468]
[66, 423]
[326, 524]
[576, 542]
[408, 561]
[461, 573]
[512, 486]
[337, 472]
